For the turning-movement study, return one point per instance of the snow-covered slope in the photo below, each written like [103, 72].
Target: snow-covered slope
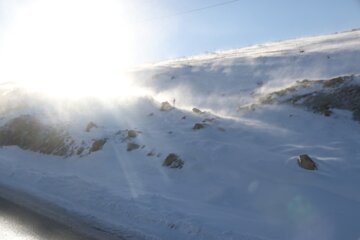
[238, 178]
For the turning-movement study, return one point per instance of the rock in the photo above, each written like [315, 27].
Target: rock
[132, 134]
[97, 145]
[28, 133]
[321, 96]
[183, 118]
[151, 153]
[208, 120]
[334, 82]
[306, 162]
[90, 126]
[198, 126]
[173, 161]
[132, 146]
[166, 106]
[198, 111]
[80, 150]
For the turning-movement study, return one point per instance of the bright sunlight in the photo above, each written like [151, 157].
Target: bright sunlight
[71, 48]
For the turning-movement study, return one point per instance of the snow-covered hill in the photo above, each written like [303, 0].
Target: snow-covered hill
[219, 160]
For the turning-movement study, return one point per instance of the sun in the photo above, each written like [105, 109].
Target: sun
[70, 47]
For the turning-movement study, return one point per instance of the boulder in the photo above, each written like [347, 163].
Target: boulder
[198, 126]
[132, 134]
[29, 133]
[90, 126]
[97, 145]
[306, 162]
[151, 153]
[132, 146]
[80, 150]
[196, 110]
[173, 161]
[208, 120]
[166, 106]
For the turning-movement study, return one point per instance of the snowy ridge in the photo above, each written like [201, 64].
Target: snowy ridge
[240, 178]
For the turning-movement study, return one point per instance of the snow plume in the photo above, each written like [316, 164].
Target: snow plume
[270, 67]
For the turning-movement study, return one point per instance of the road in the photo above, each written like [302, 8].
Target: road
[19, 223]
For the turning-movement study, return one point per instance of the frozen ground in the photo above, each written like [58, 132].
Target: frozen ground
[240, 178]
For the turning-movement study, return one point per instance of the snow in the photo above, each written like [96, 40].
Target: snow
[240, 179]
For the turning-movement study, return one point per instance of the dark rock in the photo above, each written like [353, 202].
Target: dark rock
[306, 162]
[132, 134]
[151, 154]
[132, 146]
[90, 126]
[198, 111]
[334, 82]
[28, 133]
[97, 145]
[166, 106]
[198, 126]
[80, 150]
[173, 161]
[208, 120]
[336, 93]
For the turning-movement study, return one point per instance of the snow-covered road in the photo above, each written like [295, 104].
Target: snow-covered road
[19, 223]
[23, 217]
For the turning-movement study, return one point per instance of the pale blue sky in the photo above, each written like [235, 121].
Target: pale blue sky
[253, 21]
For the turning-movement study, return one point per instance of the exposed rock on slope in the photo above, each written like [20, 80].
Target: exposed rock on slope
[306, 162]
[27, 132]
[97, 145]
[132, 146]
[90, 126]
[321, 96]
[198, 126]
[196, 110]
[173, 161]
[132, 134]
[166, 106]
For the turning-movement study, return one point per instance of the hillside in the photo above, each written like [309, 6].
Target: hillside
[209, 151]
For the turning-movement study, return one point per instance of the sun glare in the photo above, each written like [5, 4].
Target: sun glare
[70, 47]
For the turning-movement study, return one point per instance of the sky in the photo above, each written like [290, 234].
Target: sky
[249, 22]
[93, 39]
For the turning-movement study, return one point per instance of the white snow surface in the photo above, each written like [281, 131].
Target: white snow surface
[240, 179]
